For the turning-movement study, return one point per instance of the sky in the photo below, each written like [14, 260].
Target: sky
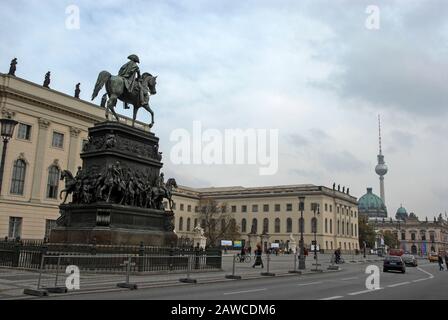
[316, 71]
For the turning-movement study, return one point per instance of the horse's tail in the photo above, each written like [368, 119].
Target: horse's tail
[102, 79]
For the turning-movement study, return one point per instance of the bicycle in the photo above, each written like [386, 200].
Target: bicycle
[239, 258]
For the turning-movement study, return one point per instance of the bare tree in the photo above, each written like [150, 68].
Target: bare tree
[218, 223]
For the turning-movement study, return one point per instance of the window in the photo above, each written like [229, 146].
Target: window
[243, 208]
[351, 228]
[289, 225]
[301, 225]
[356, 231]
[53, 182]
[343, 227]
[188, 224]
[181, 223]
[423, 235]
[49, 224]
[255, 208]
[326, 207]
[265, 225]
[314, 225]
[337, 208]
[413, 236]
[196, 208]
[277, 208]
[403, 236]
[203, 223]
[181, 207]
[15, 227]
[243, 225]
[195, 223]
[18, 177]
[24, 132]
[347, 229]
[265, 208]
[338, 226]
[58, 140]
[277, 225]
[331, 226]
[233, 209]
[326, 226]
[189, 208]
[431, 237]
[314, 206]
[254, 228]
[289, 207]
[331, 210]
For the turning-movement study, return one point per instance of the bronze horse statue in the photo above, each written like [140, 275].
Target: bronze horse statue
[115, 89]
[158, 193]
[70, 184]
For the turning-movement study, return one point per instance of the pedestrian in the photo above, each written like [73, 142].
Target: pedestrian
[440, 262]
[446, 260]
[242, 254]
[258, 261]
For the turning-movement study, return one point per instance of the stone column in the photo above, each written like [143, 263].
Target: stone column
[73, 152]
[41, 148]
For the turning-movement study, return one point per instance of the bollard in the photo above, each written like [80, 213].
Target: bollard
[295, 266]
[127, 284]
[188, 279]
[57, 289]
[233, 276]
[267, 273]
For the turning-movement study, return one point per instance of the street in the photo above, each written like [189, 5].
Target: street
[423, 282]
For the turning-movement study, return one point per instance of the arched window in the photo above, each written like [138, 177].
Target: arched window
[53, 182]
[232, 225]
[356, 231]
[314, 225]
[181, 223]
[254, 228]
[277, 225]
[351, 228]
[195, 223]
[347, 228]
[188, 224]
[265, 225]
[331, 226]
[326, 226]
[243, 225]
[18, 177]
[301, 225]
[289, 225]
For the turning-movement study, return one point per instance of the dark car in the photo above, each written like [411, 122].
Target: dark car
[409, 260]
[394, 263]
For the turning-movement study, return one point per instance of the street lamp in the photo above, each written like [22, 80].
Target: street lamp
[315, 209]
[7, 130]
[301, 225]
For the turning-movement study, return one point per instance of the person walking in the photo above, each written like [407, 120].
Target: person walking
[440, 262]
[242, 254]
[258, 261]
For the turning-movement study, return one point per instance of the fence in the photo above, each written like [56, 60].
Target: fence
[106, 258]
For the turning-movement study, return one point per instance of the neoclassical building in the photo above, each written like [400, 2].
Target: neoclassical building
[48, 138]
[272, 213]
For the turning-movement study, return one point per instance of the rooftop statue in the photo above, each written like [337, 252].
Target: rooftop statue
[129, 86]
[12, 67]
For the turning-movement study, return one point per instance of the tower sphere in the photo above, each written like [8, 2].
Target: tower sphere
[381, 169]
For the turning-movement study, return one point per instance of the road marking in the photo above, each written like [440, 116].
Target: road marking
[429, 274]
[364, 291]
[398, 284]
[352, 278]
[332, 298]
[247, 291]
[418, 280]
[309, 283]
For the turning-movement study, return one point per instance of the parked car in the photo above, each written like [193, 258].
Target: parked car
[394, 263]
[409, 260]
[433, 257]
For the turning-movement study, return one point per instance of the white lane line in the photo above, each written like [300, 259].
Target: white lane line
[309, 283]
[429, 274]
[398, 284]
[418, 280]
[352, 278]
[332, 298]
[247, 291]
[364, 291]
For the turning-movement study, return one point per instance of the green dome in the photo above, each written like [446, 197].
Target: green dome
[371, 205]
[401, 214]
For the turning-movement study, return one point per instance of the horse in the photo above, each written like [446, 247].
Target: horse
[115, 89]
[158, 194]
[70, 184]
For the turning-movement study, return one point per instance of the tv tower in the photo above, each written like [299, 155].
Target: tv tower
[381, 167]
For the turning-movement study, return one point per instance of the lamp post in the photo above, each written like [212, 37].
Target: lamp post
[7, 130]
[301, 225]
[316, 206]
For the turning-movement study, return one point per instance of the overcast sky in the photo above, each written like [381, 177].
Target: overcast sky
[310, 69]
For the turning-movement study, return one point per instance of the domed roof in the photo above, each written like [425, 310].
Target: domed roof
[401, 214]
[371, 205]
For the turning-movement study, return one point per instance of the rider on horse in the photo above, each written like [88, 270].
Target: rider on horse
[128, 72]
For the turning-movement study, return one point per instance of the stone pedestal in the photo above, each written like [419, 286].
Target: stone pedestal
[116, 196]
[252, 240]
[201, 240]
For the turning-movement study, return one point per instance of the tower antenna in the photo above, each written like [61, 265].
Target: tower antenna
[379, 132]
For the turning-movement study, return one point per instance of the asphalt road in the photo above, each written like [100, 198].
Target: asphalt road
[423, 282]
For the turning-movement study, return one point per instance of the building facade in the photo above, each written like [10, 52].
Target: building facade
[272, 214]
[48, 138]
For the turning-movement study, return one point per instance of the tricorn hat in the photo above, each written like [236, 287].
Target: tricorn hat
[134, 58]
